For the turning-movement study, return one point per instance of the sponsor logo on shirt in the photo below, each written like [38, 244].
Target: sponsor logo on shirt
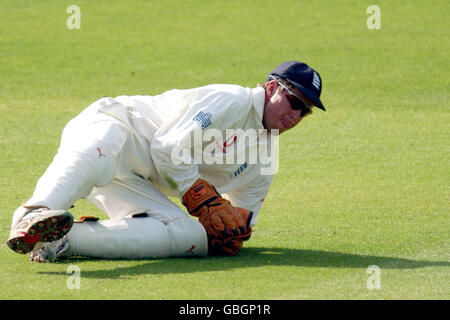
[227, 143]
[241, 168]
[238, 147]
[203, 119]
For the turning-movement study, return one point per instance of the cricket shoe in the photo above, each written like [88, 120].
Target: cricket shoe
[37, 226]
[50, 251]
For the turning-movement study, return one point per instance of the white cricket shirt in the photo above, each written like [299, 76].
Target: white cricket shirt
[199, 127]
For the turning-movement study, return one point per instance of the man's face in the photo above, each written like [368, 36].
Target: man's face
[278, 113]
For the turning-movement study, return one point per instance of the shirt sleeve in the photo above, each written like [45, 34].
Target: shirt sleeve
[175, 145]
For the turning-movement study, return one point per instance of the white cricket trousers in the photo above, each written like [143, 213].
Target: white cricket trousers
[102, 159]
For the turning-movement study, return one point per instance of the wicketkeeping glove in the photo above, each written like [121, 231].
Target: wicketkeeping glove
[220, 219]
[219, 247]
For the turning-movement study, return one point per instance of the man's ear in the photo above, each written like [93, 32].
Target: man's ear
[271, 88]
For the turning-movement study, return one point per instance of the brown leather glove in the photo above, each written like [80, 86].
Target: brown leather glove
[219, 218]
[219, 247]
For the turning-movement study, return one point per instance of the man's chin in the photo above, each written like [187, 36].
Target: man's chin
[274, 131]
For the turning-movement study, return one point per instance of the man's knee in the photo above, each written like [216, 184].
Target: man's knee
[187, 238]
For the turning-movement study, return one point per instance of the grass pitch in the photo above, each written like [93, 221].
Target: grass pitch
[365, 183]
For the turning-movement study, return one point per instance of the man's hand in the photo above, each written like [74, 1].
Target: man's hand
[219, 218]
[219, 247]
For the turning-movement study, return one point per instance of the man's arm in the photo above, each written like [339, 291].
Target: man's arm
[175, 145]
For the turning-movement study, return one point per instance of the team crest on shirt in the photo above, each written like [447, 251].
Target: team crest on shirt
[203, 119]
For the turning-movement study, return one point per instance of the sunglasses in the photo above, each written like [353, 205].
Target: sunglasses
[295, 101]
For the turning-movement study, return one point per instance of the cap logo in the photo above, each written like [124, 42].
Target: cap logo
[316, 81]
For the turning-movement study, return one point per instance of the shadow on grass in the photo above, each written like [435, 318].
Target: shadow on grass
[250, 258]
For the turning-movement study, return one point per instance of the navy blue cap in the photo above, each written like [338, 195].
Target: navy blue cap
[302, 77]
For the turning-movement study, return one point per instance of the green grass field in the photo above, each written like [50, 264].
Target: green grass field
[365, 183]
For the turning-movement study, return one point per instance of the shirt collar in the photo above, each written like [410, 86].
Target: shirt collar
[259, 98]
